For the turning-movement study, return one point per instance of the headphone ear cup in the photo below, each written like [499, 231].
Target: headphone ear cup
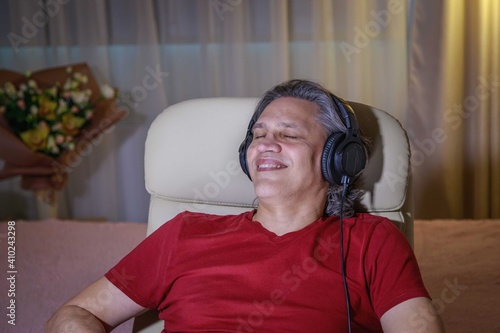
[328, 168]
[350, 160]
[342, 157]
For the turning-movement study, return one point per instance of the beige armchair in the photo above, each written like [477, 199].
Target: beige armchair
[191, 163]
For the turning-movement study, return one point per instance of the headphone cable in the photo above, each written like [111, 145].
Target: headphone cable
[345, 183]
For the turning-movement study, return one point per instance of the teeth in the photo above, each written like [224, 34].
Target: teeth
[268, 166]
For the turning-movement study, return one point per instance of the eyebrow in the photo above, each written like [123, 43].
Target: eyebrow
[282, 124]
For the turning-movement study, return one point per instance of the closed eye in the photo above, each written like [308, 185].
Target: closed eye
[258, 135]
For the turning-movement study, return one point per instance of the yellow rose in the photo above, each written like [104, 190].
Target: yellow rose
[71, 124]
[36, 138]
[47, 108]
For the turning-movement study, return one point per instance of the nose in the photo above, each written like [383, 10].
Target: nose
[268, 143]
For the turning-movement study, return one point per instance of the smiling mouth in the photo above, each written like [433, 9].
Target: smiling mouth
[270, 166]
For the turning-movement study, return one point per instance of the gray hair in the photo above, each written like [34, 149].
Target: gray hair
[328, 117]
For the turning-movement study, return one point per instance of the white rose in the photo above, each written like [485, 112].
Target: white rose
[79, 97]
[107, 91]
[32, 84]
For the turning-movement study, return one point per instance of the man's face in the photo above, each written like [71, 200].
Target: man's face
[284, 157]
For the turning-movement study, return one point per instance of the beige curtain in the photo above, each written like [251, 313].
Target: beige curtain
[454, 108]
[193, 49]
[448, 99]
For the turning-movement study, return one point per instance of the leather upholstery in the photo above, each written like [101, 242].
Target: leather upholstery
[191, 161]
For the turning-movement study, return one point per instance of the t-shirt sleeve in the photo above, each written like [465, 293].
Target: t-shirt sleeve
[141, 273]
[392, 270]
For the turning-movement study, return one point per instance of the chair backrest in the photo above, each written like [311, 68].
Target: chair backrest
[191, 162]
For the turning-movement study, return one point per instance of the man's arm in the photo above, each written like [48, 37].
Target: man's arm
[416, 315]
[98, 309]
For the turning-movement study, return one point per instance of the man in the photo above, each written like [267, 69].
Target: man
[284, 267]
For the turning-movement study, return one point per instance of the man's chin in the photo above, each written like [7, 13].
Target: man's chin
[268, 188]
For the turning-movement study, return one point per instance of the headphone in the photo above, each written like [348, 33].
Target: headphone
[344, 155]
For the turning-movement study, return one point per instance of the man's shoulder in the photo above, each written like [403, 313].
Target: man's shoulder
[206, 218]
[369, 220]
[370, 223]
[377, 230]
[195, 223]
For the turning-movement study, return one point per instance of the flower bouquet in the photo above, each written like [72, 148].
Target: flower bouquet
[49, 120]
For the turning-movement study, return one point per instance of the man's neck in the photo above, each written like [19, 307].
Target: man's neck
[282, 219]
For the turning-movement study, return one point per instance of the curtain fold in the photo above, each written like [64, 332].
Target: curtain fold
[495, 112]
[160, 52]
[453, 105]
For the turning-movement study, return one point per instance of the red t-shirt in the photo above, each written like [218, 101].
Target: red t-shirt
[208, 273]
